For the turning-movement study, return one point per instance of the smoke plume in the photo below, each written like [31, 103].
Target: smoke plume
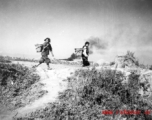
[97, 44]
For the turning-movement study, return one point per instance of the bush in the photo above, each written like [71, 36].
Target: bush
[91, 91]
[15, 79]
[4, 60]
[130, 55]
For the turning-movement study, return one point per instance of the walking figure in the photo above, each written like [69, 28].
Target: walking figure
[85, 54]
[45, 48]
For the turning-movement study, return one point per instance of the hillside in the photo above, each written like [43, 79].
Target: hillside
[69, 92]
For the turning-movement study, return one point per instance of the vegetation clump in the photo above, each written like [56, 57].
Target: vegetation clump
[16, 84]
[92, 91]
[4, 60]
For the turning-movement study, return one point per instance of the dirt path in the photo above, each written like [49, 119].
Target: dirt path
[54, 83]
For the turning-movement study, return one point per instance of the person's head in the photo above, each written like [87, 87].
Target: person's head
[48, 40]
[87, 43]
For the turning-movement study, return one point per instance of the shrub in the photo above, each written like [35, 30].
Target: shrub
[4, 60]
[130, 55]
[91, 91]
[15, 79]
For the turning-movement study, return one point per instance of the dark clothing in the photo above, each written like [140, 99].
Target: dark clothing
[46, 47]
[45, 59]
[84, 58]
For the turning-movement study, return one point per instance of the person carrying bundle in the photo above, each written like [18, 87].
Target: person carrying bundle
[84, 51]
[45, 48]
[85, 54]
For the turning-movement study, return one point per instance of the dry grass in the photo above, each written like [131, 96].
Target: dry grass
[91, 91]
[17, 85]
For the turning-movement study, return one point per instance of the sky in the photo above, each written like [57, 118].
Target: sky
[121, 25]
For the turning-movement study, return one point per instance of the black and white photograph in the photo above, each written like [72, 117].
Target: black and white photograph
[75, 59]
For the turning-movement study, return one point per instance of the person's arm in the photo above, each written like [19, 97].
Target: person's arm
[51, 50]
[85, 51]
[52, 53]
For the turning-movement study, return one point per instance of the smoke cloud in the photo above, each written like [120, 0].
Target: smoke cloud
[126, 36]
[97, 44]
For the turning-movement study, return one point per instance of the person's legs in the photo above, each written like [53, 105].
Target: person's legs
[85, 61]
[40, 62]
[37, 65]
[48, 66]
[47, 60]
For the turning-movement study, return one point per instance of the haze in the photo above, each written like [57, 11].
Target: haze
[122, 24]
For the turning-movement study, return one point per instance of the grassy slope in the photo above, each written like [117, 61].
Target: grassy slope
[90, 92]
[18, 86]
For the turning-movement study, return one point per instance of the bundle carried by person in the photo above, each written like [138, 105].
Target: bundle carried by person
[78, 50]
[39, 47]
